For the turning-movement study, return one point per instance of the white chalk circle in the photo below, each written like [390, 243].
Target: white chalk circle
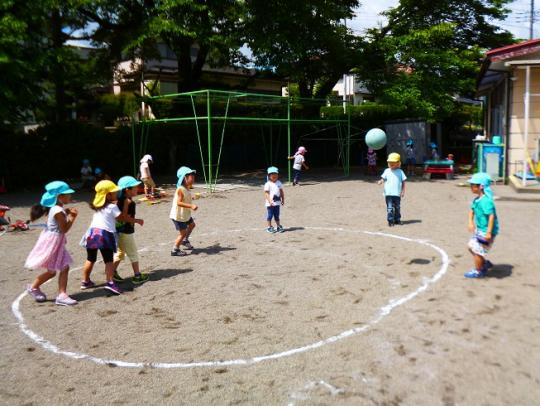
[382, 313]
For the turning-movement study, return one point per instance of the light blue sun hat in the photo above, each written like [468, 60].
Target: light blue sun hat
[272, 169]
[128, 181]
[483, 179]
[53, 189]
[182, 173]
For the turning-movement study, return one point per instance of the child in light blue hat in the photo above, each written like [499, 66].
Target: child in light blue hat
[50, 251]
[180, 213]
[484, 225]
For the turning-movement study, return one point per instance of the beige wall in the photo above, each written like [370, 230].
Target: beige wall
[517, 113]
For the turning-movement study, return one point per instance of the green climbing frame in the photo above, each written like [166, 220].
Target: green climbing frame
[215, 109]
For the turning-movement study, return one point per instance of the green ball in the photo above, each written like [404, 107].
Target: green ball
[376, 138]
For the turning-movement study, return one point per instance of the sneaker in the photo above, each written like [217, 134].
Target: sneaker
[187, 245]
[37, 294]
[280, 229]
[117, 278]
[87, 284]
[113, 287]
[390, 224]
[271, 230]
[473, 273]
[178, 253]
[140, 278]
[64, 300]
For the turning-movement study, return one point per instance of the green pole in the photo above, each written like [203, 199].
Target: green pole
[209, 138]
[289, 136]
[348, 152]
[133, 147]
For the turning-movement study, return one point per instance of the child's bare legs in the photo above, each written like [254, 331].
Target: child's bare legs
[478, 261]
[62, 280]
[109, 271]
[190, 228]
[41, 279]
[87, 270]
[181, 237]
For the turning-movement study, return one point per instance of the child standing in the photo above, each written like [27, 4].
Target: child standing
[181, 210]
[298, 164]
[50, 251]
[86, 175]
[100, 235]
[483, 222]
[146, 177]
[275, 197]
[371, 161]
[394, 188]
[411, 157]
[126, 241]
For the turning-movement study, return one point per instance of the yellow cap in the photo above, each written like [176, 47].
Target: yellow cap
[393, 157]
[102, 189]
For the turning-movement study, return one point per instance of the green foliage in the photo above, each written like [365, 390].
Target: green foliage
[112, 107]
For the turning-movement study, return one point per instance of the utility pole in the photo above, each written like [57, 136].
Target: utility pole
[531, 26]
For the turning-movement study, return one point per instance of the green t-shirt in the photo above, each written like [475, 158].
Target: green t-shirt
[483, 207]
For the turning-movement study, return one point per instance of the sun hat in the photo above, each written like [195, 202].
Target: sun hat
[98, 171]
[301, 150]
[182, 172]
[409, 142]
[53, 189]
[103, 188]
[478, 179]
[146, 158]
[433, 145]
[394, 157]
[272, 169]
[128, 181]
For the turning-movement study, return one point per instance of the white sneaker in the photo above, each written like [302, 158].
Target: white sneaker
[64, 300]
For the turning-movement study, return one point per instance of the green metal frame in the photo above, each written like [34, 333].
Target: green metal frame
[211, 175]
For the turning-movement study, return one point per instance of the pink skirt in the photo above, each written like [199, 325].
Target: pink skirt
[49, 252]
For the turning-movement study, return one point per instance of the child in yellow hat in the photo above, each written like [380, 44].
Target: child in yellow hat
[101, 234]
[394, 188]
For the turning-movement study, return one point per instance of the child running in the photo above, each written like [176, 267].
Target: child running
[371, 161]
[126, 241]
[181, 210]
[100, 235]
[274, 198]
[483, 222]
[298, 164]
[394, 188]
[50, 251]
[146, 177]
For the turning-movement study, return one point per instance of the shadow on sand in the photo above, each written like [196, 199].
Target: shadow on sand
[500, 271]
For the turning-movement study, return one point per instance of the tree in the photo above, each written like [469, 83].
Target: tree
[430, 52]
[305, 41]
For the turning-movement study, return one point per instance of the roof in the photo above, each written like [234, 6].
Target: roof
[514, 50]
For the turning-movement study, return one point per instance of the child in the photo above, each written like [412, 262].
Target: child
[146, 177]
[394, 188]
[371, 161]
[86, 175]
[50, 250]
[100, 235]
[411, 157]
[126, 242]
[434, 153]
[181, 210]
[483, 222]
[299, 163]
[274, 195]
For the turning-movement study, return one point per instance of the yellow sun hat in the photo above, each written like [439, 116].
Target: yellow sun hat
[103, 188]
[394, 157]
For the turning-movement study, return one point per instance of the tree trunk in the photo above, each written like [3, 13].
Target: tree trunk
[57, 67]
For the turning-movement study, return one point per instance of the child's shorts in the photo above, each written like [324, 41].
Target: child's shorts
[272, 212]
[126, 246]
[479, 246]
[148, 182]
[182, 225]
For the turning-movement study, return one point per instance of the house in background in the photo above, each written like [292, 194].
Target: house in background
[509, 81]
[354, 90]
[130, 73]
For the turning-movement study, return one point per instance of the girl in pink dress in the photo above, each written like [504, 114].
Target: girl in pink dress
[50, 251]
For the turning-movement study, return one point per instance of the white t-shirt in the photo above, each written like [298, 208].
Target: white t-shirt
[145, 170]
[105, 219]
[52, 224]
[298, 161]
[273, 188]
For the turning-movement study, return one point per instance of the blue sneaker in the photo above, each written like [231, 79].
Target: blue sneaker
[473, 273]
[271, 230]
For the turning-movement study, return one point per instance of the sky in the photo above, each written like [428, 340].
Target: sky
[368, 16]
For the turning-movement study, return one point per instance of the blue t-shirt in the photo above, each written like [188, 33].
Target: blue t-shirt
[393, 181]
[483, 207]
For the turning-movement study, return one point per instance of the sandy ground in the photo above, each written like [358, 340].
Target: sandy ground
[244, 293]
